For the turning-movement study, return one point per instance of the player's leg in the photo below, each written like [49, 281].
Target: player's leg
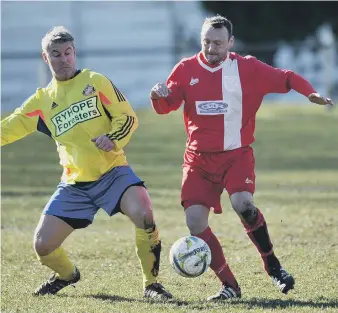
[240, 184]
[49, 235]
[256, 228]
[126, 193]
[55, 225]
[198, 196]
[136, 204]
[255, 225]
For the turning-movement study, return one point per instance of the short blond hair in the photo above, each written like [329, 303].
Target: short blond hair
[58, 34]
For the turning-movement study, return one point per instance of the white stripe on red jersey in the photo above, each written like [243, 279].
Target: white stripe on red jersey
[221, 102]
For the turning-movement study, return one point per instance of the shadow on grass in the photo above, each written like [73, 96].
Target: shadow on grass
[115, 298]
[322, 303]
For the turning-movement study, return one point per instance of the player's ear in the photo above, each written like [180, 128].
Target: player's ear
[231, 41]
[45, 58]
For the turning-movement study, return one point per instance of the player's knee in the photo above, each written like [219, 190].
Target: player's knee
[42, 246]
[241, 206]
[195, 224]
[138, 208]
[241, 201]
[141, 216]
[244, 207]
[250, 215]
[247, 211]
[145, 219]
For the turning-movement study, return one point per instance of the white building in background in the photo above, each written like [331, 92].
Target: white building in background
[132, 43]
[315, 58]
[135, 44]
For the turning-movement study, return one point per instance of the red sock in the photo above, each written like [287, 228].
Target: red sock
[218, 262]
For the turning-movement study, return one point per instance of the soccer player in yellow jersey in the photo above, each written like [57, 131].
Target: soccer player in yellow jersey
[91, 121]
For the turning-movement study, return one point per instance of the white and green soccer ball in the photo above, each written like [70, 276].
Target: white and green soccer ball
[190, 256]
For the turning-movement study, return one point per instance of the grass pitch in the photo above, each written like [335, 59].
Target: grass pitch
[297, 190]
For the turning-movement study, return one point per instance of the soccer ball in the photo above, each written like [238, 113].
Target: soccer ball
[190, 256]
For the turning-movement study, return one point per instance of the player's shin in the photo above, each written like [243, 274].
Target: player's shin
[218, 262]
[257, 230]
[148, 249]
[59, 262]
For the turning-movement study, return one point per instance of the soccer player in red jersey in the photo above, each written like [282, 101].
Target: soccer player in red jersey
[222, 92]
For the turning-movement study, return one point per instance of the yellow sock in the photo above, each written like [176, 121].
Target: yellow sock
[148, 249]
[59, 262]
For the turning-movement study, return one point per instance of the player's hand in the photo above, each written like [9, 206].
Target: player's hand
[104, 143]
[160, 90]
[317, 98]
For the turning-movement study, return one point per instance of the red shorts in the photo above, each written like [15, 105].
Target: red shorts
[205, 175]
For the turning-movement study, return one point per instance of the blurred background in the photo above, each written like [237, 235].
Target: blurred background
[136, 43]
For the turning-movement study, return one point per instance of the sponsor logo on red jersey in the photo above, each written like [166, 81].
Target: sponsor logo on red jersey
[211, 107]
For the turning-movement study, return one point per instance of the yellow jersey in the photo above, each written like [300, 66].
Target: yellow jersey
[73, 112]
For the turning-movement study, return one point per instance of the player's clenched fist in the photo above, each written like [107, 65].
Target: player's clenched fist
[160, 90]
[104, 143]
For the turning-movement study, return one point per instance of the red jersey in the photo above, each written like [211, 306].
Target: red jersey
[221, 101]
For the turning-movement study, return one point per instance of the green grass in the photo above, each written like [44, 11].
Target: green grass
[297, 190]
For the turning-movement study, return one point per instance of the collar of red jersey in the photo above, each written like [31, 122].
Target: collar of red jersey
[204, 63]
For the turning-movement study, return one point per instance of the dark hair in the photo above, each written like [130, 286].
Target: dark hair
[219, 21]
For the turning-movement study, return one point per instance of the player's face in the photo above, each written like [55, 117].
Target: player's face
[215, 43]
[61, 60]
